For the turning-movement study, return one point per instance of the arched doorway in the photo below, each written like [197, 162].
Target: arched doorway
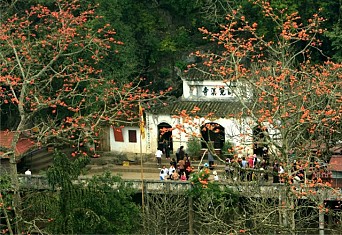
[260, 140]
[214, 133]
[165, 136]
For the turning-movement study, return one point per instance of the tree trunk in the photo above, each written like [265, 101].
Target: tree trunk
[321, 213]
[15, 181]
[321, 221]
[191, 216]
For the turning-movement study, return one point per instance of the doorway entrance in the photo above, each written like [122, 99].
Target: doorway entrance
[165, 136]
[214, 133]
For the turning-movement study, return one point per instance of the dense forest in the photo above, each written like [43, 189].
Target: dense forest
[65, 72]
[159, 35]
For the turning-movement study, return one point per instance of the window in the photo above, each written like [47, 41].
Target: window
[118, 135]
[132, 136]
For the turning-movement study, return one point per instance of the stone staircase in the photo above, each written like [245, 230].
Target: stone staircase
[40, 160]
[103, 164]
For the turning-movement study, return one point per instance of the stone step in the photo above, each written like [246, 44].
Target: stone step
[193, 164]
[154, 164]
[135, 168]
[98, 169]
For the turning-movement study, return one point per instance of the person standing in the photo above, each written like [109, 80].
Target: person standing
[210, 160]
[264, 168]
[187, 165]
[180, 154]
[173, 162]
[227, 169]
[177, 155]
[167, 149]
[159, 154]
[244, 165]
[28, 173]
[216, 178]
[276, 172]
[281, 172]
[251, 162]
[181, 166]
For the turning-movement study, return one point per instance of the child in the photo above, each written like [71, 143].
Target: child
[216, 178]
[175, 175]
[163, 173]
[183, 177]
[158, 154]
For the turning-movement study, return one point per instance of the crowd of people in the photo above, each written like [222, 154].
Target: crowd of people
[179, 168]
[255, 168]
[249, 168]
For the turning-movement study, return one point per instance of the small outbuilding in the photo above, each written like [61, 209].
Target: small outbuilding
[335, 166]
[23, 146]
[216, 115]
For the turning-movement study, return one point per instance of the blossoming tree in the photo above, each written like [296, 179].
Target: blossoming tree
[51, 80]
[294, 103]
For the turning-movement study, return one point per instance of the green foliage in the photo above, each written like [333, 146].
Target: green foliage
[201, 186]
[181, 64]
[217, 211]
[164, 72]
[5, 182]
[228, 148]
[65, 169]
[168, 45]
[200, 182]
[335, 36]
[212, 203]
[117, 209]
[202, 189]
[6, 198]
[194, 147]
[102, 205]
[160, 34]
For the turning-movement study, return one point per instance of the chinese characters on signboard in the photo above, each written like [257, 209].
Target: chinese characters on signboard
[217, 91]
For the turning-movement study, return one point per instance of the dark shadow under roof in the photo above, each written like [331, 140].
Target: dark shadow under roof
[219, 108]
[201, 74]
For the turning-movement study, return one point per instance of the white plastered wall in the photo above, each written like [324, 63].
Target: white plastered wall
[126, 146]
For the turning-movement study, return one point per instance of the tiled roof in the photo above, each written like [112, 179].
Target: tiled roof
[335, 150]
[335, 163]
[201, 73]
[23, 145]
[218, 108]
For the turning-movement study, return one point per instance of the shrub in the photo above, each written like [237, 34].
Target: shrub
[194, 147]
[228, 148]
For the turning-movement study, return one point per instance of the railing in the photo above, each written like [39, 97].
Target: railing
[253, 189]
[40, 182]
[33, 181]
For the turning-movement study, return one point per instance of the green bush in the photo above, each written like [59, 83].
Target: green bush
[102, 205]
[228, 148]
[194, 147]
